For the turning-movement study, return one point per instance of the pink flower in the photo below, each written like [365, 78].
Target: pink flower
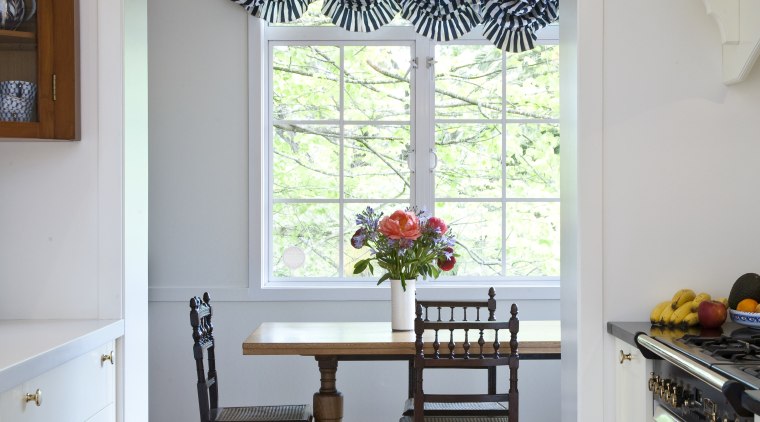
[436, 223]
[446, 262]
[400, 225]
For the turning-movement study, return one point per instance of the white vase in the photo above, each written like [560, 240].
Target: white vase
[402, 306]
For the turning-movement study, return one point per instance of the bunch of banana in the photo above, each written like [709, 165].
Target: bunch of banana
[699, 299]
[681, 310]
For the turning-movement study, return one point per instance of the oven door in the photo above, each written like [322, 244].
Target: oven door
[663, 415]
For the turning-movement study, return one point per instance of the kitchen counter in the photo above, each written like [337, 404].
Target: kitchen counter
[627, 331]
[33, 347]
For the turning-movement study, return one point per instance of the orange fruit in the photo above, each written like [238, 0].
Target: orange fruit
[747, 305]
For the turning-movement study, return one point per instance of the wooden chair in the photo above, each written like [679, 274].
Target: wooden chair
[208, 386]
[457, 310]
[477, 354]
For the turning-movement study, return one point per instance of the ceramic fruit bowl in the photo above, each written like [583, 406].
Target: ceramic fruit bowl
[748, 319]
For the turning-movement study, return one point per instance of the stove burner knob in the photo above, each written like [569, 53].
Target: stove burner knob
[652, 381]
[674, 394]
[711, 410]
[665, 390]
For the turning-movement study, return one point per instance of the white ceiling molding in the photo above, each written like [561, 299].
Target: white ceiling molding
[739, 24]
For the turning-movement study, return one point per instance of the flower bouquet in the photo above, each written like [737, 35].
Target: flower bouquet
[407, 244]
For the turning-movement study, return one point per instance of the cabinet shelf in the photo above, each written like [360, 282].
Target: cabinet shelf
[17, 37]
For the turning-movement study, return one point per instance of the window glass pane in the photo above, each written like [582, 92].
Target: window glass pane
[532, 163]
[377, 83]
[468, 161]
[311, 229]
[468, 82]
[298, 70]
[376, 162]
[305, 161]
[351, 254]
[477, 227]
[533, 83]
[533, 239]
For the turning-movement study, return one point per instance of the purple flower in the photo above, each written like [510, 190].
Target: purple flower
[357, 240]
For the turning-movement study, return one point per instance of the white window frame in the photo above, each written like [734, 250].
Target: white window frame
[260, 287]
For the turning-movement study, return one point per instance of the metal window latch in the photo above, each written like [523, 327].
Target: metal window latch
[430, 62]
[410, 159]
[433, 160]
[413, 64]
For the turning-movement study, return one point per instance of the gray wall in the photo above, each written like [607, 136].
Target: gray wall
[198, 238]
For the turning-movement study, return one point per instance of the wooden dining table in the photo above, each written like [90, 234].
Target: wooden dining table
[330, 342]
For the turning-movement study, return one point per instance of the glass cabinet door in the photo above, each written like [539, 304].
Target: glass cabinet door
[19, 61]
[38, 70]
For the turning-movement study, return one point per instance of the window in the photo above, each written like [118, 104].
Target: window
[342, 121]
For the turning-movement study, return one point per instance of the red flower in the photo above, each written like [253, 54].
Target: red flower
[446, 264]
[436, 223]
[400, 225]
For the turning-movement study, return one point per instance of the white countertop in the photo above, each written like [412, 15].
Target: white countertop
[33, 347]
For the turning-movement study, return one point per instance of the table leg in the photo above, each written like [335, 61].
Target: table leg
[328, 402]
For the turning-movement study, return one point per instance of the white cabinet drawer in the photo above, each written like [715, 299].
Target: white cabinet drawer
[633, 402]
[73, 391]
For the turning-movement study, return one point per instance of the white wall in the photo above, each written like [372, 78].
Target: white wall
[198, 237]
[681, 179]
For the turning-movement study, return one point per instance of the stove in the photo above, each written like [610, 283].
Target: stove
[704, 375]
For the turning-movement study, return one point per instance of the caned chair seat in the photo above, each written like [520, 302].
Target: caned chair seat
[457, 419]
[458, 409]
[284, 413]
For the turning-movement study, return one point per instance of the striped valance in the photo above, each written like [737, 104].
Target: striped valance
[509, 24]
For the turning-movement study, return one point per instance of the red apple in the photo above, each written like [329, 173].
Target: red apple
[711, 313]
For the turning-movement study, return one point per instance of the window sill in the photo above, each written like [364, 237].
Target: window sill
[364, 291]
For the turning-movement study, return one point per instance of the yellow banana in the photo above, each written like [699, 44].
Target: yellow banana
[679, 314]
[723, 300]
[665, 315]
[699, 299]
[654, 317]
[682, 296]
[691, 320]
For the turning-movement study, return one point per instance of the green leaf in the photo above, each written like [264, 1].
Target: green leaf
[383, 278]
[360, 266]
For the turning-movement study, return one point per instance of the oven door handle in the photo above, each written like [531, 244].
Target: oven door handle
[712, 378]
[732, 389]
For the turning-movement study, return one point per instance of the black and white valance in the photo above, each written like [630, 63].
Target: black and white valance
[509, 24]
[361, 15]
[441, 20]
[275, 11]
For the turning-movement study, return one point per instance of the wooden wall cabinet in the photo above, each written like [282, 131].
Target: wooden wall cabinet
[42, 50]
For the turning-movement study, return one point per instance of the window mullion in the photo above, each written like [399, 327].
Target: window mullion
[341, 150]
[423, 120]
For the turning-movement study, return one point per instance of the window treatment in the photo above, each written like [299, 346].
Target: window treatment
[509, 24]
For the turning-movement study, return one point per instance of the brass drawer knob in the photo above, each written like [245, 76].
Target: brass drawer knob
[624, 357]
[108, 357]
[36, 397]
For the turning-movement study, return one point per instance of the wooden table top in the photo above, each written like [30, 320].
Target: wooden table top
[376, 338]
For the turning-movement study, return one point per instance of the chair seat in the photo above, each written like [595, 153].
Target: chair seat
[458, 419]
[285, 413]
[458, 409]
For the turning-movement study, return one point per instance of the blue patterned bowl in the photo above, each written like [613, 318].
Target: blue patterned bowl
[749, 319]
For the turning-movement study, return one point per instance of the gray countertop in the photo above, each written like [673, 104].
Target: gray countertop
[33, 347]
